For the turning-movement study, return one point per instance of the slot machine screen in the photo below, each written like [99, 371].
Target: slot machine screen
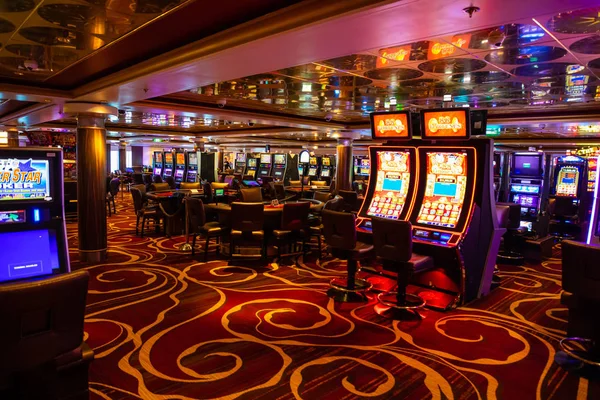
[169, 158]
[279, 159]
[325, 173]
[157, 171]
[240, 157]
[326, 161]
[365, 163]
[158, 157]
[446, 124]
[24, 179]
[446, 184]
[526, 165]
[193, 158]
[568, 178]
[28, 254]
[168, 171]
[391, 187]
[252, 162]
[265, 159]
[313, 161]
[180, 158]
[178, 173]
[312, 171]
[592, 167]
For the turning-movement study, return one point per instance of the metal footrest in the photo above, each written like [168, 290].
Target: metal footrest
[510, 257]
[411, 301]
[581, 349]
[341, 284]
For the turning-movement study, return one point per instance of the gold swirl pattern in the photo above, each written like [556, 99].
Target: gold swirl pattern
[165, 325]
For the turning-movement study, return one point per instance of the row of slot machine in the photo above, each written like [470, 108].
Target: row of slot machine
[281, 167]
[531, 179]
[184, 166]
[317, 168]
[442, 183]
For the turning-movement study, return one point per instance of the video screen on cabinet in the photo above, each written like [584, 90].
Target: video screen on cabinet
[169, 158]
[279, 159]
[391, 185]
[158, 157]
[526, 165]
[265, 159]
[252, 162]
[24, 179]
[326, 161]
[567, 181]
[180, 159]
[446, 185]
[193, 158]
[28, 254]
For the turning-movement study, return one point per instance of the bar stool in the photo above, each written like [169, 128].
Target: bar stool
[339, 229]
[294, 226]
[393, 245]
[247, 226]
[196, 218]
[316, 230]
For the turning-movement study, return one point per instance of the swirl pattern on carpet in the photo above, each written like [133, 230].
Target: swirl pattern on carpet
[164, 325]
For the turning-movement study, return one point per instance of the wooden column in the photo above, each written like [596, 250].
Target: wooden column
[137, 156]
[343, 170]
[122, 156]
[13, 137]
[92, 158]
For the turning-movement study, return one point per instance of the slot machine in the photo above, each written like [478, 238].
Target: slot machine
[390, 192]
[592, 166]
[303, 161]
[362, 168]
[313, 168]
[327, 168]
[32, 219]
[279, 166]
[526, 182]
[251, 165]
[454, 213]
[264, 169]
[191, 174]
[180, 166]
[168, 164]
[497, 174]
[240, 163]
[158, 163]
[593, 233]
[570, 181]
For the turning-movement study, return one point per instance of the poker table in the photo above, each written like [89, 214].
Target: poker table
[272, 213]
[170, 203]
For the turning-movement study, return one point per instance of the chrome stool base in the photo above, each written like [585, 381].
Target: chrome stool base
[340, 292]
[394, 310]
[581, 349]
[509, 257]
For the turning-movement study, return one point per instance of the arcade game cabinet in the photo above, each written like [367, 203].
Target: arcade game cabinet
[313, 168]
[303, 162]
[240, 163]
[327, 169]
[593, 234]
[191, 174]
[32, 222]
[158, 163]
[264, 169]
[180, 166]
[568, 207]
[362, 168]
[168, 171]
[285, 168]
[251, 165]
[526, 180]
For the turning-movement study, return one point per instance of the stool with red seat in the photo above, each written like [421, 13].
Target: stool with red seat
[393, 246]
[339, 230]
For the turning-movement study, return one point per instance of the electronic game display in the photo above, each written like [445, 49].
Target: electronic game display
[158, 157]
[390, 125]
[168, 158]
[391, 186]
[446, 124]
[325, 173]
[252, 162]
[28, 254]
[265, 159]
[446, 183]
[326, 161]
[180, 159]
[567, 181]
[193, 158]
[179, 173]
[592, 167]
[526, 165]
[279, 159]
[24, 179]
[313, 161]
[240, 157]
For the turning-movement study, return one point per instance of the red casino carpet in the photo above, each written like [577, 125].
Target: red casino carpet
[166, 326]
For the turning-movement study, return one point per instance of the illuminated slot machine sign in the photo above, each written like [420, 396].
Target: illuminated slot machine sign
[180, 159]
[568, 179]
[592, 168]
[445, 189]
[168, 158]
[391, 184]
[445, 124]
[24, 180]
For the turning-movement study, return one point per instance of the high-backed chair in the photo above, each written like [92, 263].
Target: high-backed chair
[359, 187]
[351, 199]
[305, 180]
[339, 230]
[564, 219]
[294, 225]
[581, 294]
[219, 185]
[198, 226]
[207, 192]
[295, 183]
[247, 226]
[189, 185]
[157, 179]
[159, 187]
[147, 181]
[514, 235]
[137, 179]
[251, 195]
[142, 212]
[170, 181]
[318, 183]
[393, 245]
[279, 191]
[113, 189]
[322, 196]
[316, 230]
[43, 355]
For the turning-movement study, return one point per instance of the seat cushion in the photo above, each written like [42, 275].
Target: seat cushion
[282, 233]
[316, 230]
[258, 235]
[212, 228]
[421, 263]
[362, 250]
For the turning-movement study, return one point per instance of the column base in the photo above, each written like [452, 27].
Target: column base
[92, 256]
